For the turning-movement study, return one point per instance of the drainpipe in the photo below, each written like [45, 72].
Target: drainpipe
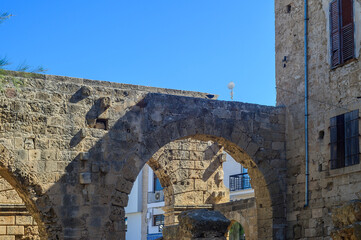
[306, 102]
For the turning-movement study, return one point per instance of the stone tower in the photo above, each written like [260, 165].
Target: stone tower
[334, 82]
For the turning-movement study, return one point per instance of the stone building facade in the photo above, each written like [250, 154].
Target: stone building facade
[333, 90]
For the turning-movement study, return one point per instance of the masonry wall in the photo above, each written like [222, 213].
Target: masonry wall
[72, 148]
[243, 211]
[331, 92]
[15, 220]
[191, 174]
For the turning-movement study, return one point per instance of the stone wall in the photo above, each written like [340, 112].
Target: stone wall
[191, 174]
[331, 92]
[72, 149]
[244, 212]
[15, 220]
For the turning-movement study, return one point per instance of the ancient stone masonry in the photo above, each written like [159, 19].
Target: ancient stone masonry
[15, 221]
[347, 221]
[244, 212]
[72, 149]
[192, 176]
[200, 224]
[331, 92]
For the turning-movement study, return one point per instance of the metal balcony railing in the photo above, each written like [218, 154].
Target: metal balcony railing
[154, 197]
[239, 182]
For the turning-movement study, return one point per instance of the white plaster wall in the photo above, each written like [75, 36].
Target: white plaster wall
[135, 196]
[230, 167]
[154, 211]
[134, 226]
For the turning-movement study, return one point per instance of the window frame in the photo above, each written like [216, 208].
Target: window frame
[161, 222]
[344, 140]
[341, 33]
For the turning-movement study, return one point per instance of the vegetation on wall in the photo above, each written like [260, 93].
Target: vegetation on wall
[5, 78]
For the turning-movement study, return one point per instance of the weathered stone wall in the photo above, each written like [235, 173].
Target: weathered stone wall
[191, 174]
[15, 220]
[331, 92]
[72, 149]
[244, 212]
[198, 224]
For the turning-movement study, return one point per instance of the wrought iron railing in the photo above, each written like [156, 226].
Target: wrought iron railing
[157, 196]
[239, 182]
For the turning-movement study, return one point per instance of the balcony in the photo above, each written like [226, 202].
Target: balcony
[239, 182]
[154, 197]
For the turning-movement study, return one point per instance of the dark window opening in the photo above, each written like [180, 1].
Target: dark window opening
[289, 8]
[158, 220]
[341, 31]
[101, 124]
[344, 140]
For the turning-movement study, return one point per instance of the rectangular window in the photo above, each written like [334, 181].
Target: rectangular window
[341, 31]
[158, 220]
[344, 140]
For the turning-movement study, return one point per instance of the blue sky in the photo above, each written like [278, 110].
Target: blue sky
[197, 45]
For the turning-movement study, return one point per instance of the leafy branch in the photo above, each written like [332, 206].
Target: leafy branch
[23, 67]
[4, 16]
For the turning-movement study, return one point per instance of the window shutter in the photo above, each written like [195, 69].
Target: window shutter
[347, 30]
[335, 32]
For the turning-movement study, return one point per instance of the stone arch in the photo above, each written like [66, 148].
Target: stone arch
[21, 179]
[234, 222]
[245, 214]
[253, 135]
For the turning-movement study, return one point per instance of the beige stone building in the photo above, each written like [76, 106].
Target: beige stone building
[333, 103]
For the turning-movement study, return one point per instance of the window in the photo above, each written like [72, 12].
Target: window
[344, 140]
[342, 31]
[158, 220]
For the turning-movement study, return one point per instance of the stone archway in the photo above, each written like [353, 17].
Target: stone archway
[79, 145]
[29, 193]
[253, 135]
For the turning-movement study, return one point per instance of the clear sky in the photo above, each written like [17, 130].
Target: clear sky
[198, 45]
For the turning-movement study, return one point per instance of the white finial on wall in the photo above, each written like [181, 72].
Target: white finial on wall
[231, 86]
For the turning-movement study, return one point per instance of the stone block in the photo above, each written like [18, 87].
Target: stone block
[7, 220]
[2, 230]
[83, 133]
[317, 213]
[24, 220]
[15, 230]
[84, 156]
[34, 155]
[105, 102]
[123, 185]
[7, 237]
[85, 178]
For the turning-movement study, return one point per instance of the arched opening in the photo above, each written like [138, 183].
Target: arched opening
[15, 219]
[184, 174]
[236, 231]
[189, 174]
[20, 198]
[253, 135]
